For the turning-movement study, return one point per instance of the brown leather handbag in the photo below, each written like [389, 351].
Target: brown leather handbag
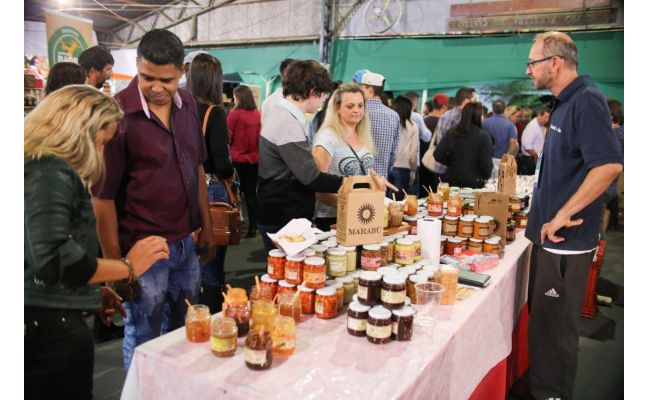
[226, 221]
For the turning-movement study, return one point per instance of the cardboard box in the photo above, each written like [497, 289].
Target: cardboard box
[359, 216]
[507, 175]
[495, 205]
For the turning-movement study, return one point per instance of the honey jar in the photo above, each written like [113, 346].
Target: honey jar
[466, 227]
[404, 251]
[481, 228]
[475, 245]
[450, 225]
[417, 247]
[521, 219]
[492, 245]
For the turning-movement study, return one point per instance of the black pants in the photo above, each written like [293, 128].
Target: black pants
[59, 355]
[324, 224]
[556, 292]
[248, 180]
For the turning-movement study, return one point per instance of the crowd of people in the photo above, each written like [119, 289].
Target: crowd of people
[130, 178]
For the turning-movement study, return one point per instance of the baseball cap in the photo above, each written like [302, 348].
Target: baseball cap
[441, 99]
[365, 77]
[190, 56]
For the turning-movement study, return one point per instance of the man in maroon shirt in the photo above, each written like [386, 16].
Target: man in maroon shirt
[155, 184]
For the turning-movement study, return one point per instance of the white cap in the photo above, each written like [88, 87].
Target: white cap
[365, 77]
[190, 56]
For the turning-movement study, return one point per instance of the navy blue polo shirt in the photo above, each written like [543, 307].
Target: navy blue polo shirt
[579, 138]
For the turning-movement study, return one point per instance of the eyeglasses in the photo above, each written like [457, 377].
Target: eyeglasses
[530, 64]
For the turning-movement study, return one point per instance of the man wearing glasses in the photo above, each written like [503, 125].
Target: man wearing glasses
[581, 157]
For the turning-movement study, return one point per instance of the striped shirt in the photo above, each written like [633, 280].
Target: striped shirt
[385, 128]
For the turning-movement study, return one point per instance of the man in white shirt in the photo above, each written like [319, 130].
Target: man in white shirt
[532, 142]
[272, 100]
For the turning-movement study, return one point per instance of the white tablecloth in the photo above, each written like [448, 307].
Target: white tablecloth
[446, 362]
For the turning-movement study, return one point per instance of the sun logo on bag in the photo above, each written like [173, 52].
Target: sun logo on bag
[366, 213]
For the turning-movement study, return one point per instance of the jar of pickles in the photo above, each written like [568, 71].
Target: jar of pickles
[450, 225]
[275, 264]
[404, 251]
[466, 227]
[357, 319]
[314, 272]
[434, 206]
[307, 299]
[284, 336]
[379, 324]
[348, 288]
[417, 247]
[369, 289]
[293, 269]
[336, 262]
[223, 337]
[326, 303]
[271, 283]
[370, 257]
[263, 314]
[350, 258]
[290, 305]
[259, 349]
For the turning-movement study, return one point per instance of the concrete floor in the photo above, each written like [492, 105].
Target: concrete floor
[600, 363]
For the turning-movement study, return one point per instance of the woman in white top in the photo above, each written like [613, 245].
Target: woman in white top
[343, 145]
[404, 171]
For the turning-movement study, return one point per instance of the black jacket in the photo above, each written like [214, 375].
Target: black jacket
[469, 158]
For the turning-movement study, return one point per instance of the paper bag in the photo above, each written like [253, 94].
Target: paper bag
[495, 205]
[507, 175]
[359, 216]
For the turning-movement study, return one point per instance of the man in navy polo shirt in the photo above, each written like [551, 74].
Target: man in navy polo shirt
[581, 157]
[155, 183]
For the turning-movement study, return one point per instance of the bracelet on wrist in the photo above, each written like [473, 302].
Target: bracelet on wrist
[128, 264]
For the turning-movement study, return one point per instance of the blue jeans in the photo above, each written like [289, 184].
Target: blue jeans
[400, 178]
[166, 283]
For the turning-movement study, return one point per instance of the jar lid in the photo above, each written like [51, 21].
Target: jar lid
[371, 247]
[355, 298]
[394, 279]
[335, 251]
[447, 217]
[482, 220]
[417, 278]
[389, 240]
[303, 288]
[266, 278]
[410, 218]
[286, 284]
[344, 279]
[406, 311]
[429, 267]
[326, 291]
[488, 217]
[405, 242]
[308, 252]
[358, 307]
[468, 218]
[277, 253]
[444, 238]
[409, 269]
[463, 239]
[475, 240]
[407, 301]
[427, 274]
[330, 243]
[493, 240]
[370, 276]
[321, 236]
[454, 240]
[379, 312]
[356, 273]
[333, 283]
[383, 244]
[522, 214]
[315, 261]
[414, 238]
[297, 257]
[386, 270]
[403, 274]
[348, 248]
[319, 248]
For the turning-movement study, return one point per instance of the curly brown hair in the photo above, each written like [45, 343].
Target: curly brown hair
[304, 78]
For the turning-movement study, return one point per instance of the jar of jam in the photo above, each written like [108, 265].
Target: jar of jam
[393, 291]
[521, 219]
[293, 269]
[223, 337]
[370, 257]
[357, 319]
[336, 262]
[402, 326]
[443, 245]
[463, 242]
[417, 247]
[450, 225]
[404, 251]
[481, 228]
[263, 314]
[515, 204]
[369, 291]
[492, 245]
[511, 233]
[468, 209]
[271, 283]
[275, 264]
[340, 292]
[284, 336]
[383, 251]
[314, 272]
[326, 304]
[350, 258]
[475, 245]
[390, 249]
[434, 206]
[348, 288]
[410, 286]
[320, 250]
[308, 252]
[241, 314]
[466, 227]
[411, 204]
[259, 349]
[379, 325]
[307, 299]
[413, 223]
[286, 287]
[290, 305]
[454, 246]
[454, 206]
[197, 323]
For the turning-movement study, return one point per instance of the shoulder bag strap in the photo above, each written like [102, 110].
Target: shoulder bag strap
[205, 119]
[231, 196]
[363, 169]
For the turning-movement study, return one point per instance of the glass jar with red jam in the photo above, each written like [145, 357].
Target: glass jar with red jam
[259, 349]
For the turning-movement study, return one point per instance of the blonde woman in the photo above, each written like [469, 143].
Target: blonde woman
[64, 139]
[343, 145]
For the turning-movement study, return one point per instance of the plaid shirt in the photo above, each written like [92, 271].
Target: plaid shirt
[385, 128]
[446, 122]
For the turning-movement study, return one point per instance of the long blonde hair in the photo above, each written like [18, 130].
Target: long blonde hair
[333, 122]
[65, 125]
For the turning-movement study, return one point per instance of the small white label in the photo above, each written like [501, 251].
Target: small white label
[319, 307]
[269, 269]
[337, 266]
[523, 222]
[378, 332]
[290, 275]
[257, 357]
[357, 324]
[362, 292]
[393, 297]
